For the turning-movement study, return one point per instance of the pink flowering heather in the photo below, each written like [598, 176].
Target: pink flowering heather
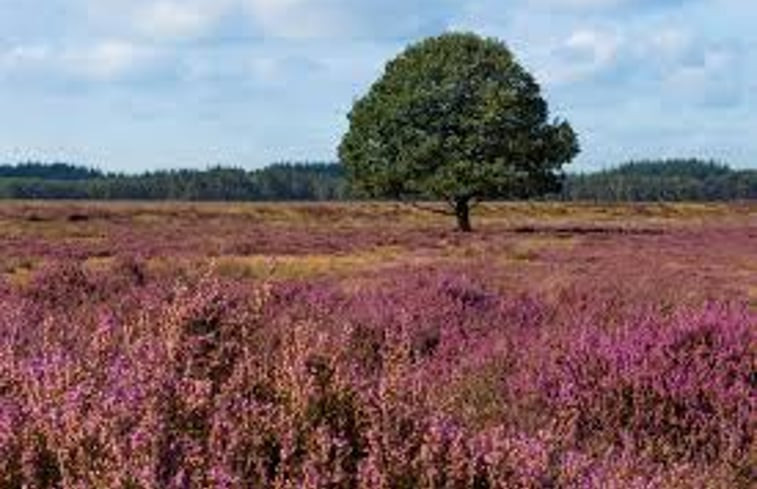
[443, 373]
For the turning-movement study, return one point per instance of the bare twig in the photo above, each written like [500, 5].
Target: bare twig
[435, 210]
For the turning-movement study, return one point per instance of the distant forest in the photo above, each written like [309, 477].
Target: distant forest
[641, 181]
[282, 181]
[664, 180]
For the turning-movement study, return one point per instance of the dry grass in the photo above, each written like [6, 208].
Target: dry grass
[305, 266]
[523, 246]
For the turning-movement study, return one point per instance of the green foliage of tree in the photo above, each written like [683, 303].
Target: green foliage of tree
[456, 118]
[663, 180]
[301, 181]
[49, 171]
[282, 181]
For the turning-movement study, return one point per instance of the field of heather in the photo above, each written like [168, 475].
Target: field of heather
[371, 346]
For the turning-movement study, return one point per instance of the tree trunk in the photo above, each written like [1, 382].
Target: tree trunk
[462, 212]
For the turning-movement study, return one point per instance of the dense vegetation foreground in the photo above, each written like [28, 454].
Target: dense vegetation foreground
[369, 346]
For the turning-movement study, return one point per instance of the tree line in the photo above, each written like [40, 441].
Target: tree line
[664, 180]
[281, 181]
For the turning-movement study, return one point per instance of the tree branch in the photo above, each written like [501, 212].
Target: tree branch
[435, 210]
[417, 205]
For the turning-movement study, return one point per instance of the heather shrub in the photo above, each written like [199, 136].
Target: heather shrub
[68, 284]
[677, 390]
[61, 284]
[201, 392]
[444, 315]
[118, 379]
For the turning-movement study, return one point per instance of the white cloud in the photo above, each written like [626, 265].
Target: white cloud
[110, 59]
[584, 53]
[24, 54]
[155, 20]
[344, 19]
[691, 68]
[715, 79]
[104, 61]
[297, 19]
[176, 19]
[668, 43]
[580, 3]
[600, 47]
[600, 5]
[23, 58]
[179, 19]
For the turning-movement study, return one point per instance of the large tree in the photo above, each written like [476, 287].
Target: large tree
[455, 118]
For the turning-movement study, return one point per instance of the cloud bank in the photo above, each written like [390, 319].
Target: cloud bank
[136, 84]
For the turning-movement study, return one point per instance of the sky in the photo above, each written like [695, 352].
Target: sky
[134, 85]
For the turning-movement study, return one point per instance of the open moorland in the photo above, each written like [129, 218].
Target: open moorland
[372, 346]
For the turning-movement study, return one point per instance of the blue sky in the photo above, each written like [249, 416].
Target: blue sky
[131, 85]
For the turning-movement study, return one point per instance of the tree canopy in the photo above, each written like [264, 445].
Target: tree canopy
[455, 118]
